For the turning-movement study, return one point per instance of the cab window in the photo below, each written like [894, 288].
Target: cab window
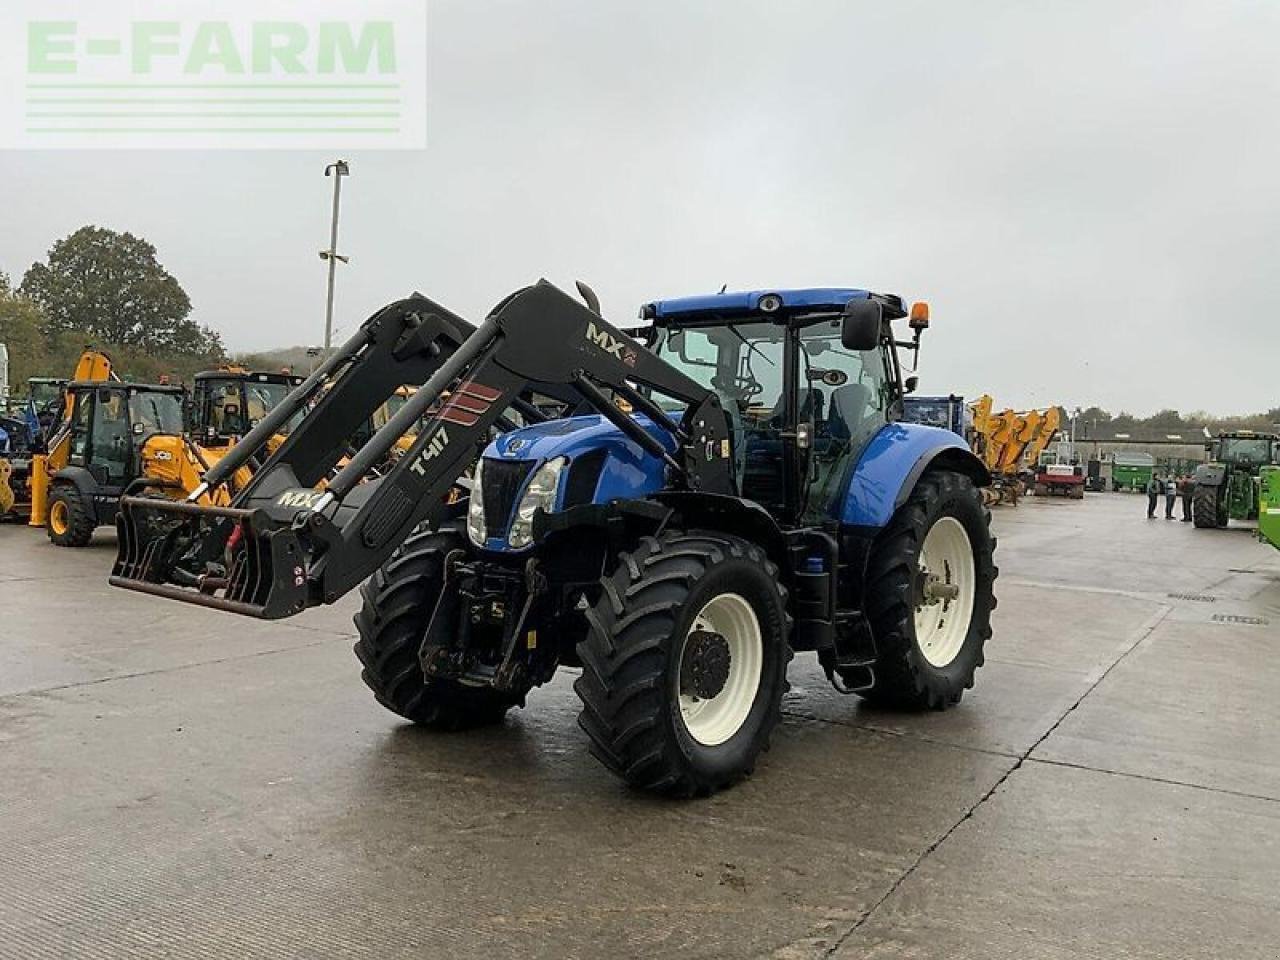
[81, 417]
[848, 393]
[110, 447]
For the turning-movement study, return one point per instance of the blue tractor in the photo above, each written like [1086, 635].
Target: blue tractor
[676, 518]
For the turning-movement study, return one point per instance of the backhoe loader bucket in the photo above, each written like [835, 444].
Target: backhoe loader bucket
[221, 557]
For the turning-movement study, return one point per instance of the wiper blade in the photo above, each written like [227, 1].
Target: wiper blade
[751, 346]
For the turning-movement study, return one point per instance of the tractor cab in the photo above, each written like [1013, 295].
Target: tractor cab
[803, 387]
[1245, 449]
[229, 402]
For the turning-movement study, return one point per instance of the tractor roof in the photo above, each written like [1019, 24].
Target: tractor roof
[748, 302]
[126, 385]
[255, 376]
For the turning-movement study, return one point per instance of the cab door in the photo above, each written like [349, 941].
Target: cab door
[110, 448]
[848, 395]
[81, 428]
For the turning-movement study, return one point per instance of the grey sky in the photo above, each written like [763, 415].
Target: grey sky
[1086, 192]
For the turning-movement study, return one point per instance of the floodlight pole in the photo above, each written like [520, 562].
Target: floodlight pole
[337, 170]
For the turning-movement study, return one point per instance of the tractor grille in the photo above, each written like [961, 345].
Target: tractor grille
[503, 481]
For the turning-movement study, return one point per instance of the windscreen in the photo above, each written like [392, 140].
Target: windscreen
[156, 412]
[264, 396]
[1252, 450]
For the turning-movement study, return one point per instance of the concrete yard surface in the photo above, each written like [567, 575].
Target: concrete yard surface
[178, 782]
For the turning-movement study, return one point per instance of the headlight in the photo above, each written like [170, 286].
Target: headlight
[541, 493]
[475, 512]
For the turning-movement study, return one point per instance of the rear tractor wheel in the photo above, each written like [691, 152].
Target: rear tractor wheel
[70, 521]
[685, 663]
[930, 594]
[398, 602]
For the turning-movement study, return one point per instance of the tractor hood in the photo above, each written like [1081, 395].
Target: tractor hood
[572, 437]
[600, 464]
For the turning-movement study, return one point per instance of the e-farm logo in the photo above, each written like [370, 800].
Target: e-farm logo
[283, 74]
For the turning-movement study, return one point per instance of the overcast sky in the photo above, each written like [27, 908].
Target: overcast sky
[1088, 193]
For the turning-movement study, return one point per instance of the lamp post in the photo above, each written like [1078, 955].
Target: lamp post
[337, 170]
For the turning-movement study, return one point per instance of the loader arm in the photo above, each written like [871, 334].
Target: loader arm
[283, 546]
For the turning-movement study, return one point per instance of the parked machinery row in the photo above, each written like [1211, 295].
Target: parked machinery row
[102, 438]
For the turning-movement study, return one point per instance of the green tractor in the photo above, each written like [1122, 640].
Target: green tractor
[1228, 487]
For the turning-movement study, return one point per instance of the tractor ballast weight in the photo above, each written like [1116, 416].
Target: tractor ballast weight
[740, 490]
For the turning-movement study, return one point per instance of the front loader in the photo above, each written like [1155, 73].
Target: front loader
[741, 489]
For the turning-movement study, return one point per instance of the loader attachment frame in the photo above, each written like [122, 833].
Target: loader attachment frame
[537, 338]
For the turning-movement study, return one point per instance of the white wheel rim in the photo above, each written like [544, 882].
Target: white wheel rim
[945, 608]
[713, 721]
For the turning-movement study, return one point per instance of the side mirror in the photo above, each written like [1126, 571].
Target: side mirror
[863, 322]
[909, 385]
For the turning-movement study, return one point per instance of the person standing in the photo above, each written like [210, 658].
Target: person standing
[1187, 488]
[1153, 495]
[1170, 496]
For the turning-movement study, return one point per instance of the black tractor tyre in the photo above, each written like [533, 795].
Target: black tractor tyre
[397, 604]
[634, 663]
[70, 522]
[1205, 510]
[904, 678]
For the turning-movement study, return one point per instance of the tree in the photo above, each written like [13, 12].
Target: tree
[111, 286]
[1165, 420]
[20, 331]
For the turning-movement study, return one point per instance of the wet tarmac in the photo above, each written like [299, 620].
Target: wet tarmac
[176, 782]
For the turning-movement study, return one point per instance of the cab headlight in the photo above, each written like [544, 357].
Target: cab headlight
[475, 512]
[541, 493]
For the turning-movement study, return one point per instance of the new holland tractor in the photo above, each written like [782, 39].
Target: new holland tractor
[1228, 486]
[741, 489]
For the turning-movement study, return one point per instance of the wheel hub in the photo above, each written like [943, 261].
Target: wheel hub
[935, 587]
[944, 586]
[705, 667]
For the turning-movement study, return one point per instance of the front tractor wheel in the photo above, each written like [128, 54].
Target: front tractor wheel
[397, 605]
[685, 663]
[929, 595]
[70, 521]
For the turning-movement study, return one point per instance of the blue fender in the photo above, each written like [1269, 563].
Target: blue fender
[893, 461]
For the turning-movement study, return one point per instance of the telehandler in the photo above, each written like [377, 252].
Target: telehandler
[761, 497]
